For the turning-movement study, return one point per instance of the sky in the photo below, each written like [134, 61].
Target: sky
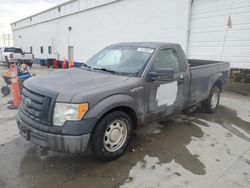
[13, 10]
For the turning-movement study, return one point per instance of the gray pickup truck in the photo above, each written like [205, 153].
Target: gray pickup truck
[98, 105]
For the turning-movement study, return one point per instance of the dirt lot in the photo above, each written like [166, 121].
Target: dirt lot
[197, 150]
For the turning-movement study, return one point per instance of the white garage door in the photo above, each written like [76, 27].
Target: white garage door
[220, 30]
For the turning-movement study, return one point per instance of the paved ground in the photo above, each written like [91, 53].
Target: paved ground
[198, 150]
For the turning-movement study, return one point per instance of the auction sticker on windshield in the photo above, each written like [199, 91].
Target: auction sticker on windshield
[146, 50]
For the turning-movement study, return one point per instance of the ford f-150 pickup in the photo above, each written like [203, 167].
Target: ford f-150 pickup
[126, 85]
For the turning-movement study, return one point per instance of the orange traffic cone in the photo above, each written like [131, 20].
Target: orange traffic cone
[71, 63]
[15, 87]
[64, 65]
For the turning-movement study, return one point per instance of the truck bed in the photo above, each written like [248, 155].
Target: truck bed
[204, 73]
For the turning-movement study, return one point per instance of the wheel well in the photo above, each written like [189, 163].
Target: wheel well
[218, 83]
[126, 109]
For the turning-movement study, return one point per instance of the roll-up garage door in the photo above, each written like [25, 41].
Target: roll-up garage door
[220, 30]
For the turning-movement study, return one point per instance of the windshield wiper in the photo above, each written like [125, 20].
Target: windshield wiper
[85, 65]
[106, 70]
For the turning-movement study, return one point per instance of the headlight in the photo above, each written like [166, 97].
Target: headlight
[65, 111]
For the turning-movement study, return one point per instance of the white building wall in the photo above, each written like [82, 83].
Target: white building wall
[211, 38]
[92, 30]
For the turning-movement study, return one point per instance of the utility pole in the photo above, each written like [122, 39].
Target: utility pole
[3, 39]
[8, 39]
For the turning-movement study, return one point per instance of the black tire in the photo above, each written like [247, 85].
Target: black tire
[97, 141]
[7, 62]
[29, 64]
[208, 105]
[5, 90]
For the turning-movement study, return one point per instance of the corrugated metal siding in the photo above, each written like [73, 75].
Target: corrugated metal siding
[65, 9]
[211, 38]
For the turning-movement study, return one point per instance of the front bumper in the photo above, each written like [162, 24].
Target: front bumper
[55, 142]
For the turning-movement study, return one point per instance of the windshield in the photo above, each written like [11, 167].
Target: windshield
[127, 60]
[13, 50]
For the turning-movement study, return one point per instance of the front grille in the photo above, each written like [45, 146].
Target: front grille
[35, 105]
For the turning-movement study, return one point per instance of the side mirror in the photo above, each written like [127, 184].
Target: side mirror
[162, 75]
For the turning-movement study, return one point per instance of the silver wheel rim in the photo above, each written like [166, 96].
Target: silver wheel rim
[214, 100]
[115, 135]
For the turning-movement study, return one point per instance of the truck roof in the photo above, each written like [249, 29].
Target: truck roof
[147, 44]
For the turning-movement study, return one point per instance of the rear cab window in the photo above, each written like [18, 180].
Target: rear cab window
[13, 50]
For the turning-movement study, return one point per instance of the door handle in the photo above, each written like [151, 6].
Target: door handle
[181, 80]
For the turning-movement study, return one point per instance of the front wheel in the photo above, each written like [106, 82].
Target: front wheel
[111, 136]
[210, 105]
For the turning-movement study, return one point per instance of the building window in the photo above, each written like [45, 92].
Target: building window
[31, 50]
[49, 49]
[59, 9]
[30, 18]
[41, 49]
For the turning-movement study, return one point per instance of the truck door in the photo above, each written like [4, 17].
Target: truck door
[165, 97]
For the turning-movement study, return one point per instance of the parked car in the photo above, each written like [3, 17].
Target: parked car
[124, 86]
[10, 55]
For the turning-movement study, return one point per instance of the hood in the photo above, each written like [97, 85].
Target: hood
[68, 83]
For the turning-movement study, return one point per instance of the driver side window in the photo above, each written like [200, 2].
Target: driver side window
[167, 59]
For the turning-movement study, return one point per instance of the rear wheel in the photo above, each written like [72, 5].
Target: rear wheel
[111, 136]
[7, 62]
[29, 64]
[210, 105]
